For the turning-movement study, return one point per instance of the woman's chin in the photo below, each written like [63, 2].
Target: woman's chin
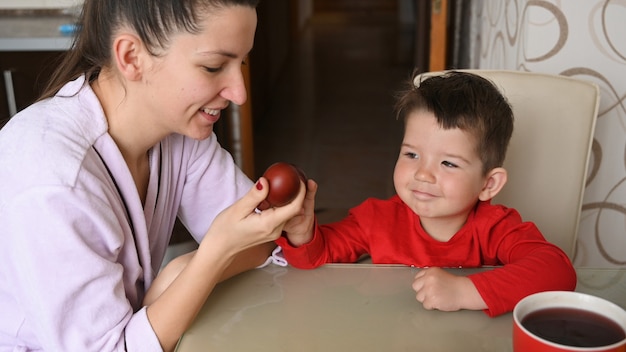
[200, 133]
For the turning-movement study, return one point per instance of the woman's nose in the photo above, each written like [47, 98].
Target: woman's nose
[235, 91]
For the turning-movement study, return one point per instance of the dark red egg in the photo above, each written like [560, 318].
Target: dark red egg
[284, 183]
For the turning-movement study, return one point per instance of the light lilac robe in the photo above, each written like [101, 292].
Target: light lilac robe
[72, 273]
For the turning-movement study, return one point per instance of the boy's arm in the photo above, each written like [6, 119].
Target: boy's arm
[438, 289]
[534, 266]
[496, 291]
[299, 230]
[525, 262]
[299, 241]
[306, 256]
[344, 241]
[339, 242]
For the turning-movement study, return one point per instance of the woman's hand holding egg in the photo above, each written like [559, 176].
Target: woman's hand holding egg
[284, 184]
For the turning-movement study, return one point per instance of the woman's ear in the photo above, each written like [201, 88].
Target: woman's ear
[128, 50]
[495, 180]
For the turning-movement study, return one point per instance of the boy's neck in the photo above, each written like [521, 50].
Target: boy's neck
[443, 229]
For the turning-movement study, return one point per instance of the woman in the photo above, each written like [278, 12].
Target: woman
[95, 173]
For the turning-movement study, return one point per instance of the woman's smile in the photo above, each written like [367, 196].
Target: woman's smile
[211, 115]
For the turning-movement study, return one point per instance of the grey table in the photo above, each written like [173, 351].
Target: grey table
[360, 307]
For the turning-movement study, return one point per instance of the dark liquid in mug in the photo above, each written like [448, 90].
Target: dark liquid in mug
[573, 327]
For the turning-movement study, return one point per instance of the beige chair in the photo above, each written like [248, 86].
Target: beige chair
[549, 152]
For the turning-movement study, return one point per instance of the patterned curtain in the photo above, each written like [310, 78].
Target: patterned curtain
[580, 39]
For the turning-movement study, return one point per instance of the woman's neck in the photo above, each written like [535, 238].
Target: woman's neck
[131, 133]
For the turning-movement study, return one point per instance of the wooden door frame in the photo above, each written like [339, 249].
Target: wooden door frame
[438, 35]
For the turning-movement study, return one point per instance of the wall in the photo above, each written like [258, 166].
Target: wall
[582, 39]
[36, 4]
[304, 13]
[271, 48]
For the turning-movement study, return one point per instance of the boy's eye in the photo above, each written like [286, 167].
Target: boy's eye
[411, 155]
[448, 164]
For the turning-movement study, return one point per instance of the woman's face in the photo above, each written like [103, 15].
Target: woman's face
[200, 73]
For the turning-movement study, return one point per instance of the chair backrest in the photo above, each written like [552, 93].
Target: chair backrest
[549, 152]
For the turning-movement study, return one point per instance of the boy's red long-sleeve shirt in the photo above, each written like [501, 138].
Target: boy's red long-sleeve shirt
[494, 235]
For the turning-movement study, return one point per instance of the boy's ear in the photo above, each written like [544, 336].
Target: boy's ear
[495, 180]
[128, 50]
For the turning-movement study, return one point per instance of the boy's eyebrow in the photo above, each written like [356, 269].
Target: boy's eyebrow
[446, 155]
[406, 145]
[455, 156]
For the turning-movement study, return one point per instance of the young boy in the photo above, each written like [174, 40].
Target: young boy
[457, 129]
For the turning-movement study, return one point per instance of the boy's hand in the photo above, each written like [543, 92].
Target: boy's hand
[299, 229]
[438, 289]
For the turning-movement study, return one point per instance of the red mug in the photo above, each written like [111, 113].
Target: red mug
[565, 321]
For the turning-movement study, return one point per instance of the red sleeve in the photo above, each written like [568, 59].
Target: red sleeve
[340, 242]
[305, 256]
[530, 265]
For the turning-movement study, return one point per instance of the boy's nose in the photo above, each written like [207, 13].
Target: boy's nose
[424, 174]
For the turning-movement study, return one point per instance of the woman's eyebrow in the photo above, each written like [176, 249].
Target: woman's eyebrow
[219, 52]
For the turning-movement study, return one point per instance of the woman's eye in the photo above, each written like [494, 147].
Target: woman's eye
[448, 164]
[212, 69]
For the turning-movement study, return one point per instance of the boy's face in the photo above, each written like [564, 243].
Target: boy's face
[438, 173]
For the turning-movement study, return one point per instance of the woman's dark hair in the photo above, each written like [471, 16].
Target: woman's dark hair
[466, 101]
[153, 20]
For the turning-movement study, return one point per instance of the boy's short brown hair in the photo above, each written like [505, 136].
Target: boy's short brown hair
[466, 101]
